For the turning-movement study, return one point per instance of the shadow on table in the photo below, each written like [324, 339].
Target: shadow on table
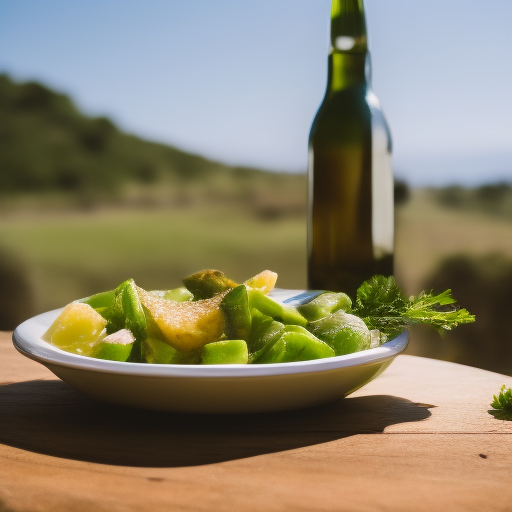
[52, 418]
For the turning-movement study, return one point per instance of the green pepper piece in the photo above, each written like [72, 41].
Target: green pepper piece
[286, 314]
[114, 314]
[100, 300]
[225, 352]
[180, 294]
[296, 344]
[235, 306]
[126, 312]
[115, 347]
[324, 305]
[132, 307]
[264, 331]
[155, 351]
[207, 283]
[344, 332]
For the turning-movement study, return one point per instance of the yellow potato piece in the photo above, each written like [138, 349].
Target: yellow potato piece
[264, 281]
[186, 326]
[76, 329]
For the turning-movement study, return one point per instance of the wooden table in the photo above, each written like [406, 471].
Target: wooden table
[417, 438]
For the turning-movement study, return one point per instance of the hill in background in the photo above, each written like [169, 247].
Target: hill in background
[49, 149]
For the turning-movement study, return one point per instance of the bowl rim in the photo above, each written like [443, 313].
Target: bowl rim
[27, 340]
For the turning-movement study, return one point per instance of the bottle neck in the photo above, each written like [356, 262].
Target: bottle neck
[349, 61]
[347, 70]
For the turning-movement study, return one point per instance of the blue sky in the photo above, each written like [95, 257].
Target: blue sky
[240, 81]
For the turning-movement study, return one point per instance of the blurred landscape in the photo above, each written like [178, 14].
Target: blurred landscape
[84, 206]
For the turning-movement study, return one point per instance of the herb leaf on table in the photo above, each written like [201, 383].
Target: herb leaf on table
[381, 304]
[502, 404]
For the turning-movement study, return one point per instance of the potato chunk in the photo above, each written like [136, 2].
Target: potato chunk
[76, 329]
[186, 326]
[264, 281]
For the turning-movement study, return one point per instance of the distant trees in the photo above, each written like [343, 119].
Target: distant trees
[495, 198]
[401, 192]
[48, 148]
[46, 144]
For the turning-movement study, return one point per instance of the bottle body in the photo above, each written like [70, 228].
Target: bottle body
[350, 181]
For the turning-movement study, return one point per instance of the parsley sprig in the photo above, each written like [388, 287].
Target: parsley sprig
[381, 304]
[502, 404]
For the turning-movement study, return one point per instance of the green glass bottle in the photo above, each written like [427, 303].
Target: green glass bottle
[350, 179]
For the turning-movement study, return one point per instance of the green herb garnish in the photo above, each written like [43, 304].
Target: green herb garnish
[502, 404]
[382, 306]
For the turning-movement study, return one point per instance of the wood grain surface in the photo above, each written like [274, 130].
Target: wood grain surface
[417, 438]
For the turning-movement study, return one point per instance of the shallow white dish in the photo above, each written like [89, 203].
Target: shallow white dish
[209, 388]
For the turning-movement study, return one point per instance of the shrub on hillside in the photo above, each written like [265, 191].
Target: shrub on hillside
[15, 295]
[483, 286]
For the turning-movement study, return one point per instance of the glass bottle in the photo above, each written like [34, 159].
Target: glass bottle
[350, 179]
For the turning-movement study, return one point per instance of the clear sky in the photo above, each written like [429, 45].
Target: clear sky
[240, 80]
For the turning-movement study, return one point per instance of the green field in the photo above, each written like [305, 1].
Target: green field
[427, 233]
[73, 255]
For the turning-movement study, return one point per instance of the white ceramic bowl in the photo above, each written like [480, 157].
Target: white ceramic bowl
[210, 388]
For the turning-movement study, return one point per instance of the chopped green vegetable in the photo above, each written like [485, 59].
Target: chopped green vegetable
[155, 351]
[126, 312]
[265, 331]
[180, 294]
[235, 305]
[280, 312]
[225, 352]
[207, 283]
[296, 344]
[100, 301]
[344, 332]
[133, 311]
[324, 305]
[115, 347]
